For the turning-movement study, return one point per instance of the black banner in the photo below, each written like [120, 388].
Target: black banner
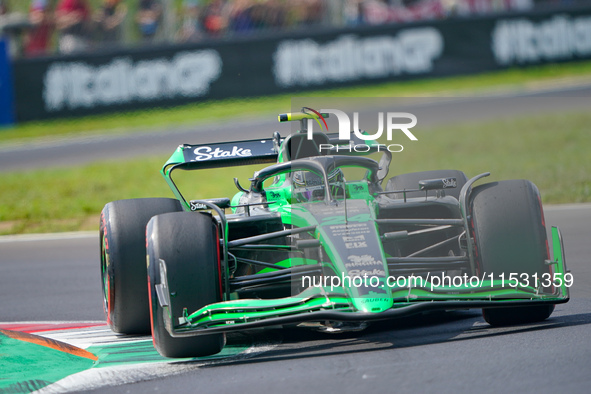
[152, 77]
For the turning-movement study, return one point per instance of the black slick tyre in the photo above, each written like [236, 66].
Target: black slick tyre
[188, 244]
[510, 236]
[123, 261]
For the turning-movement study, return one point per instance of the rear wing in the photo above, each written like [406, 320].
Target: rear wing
[225, 154]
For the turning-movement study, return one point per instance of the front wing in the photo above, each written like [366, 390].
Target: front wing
[318, 304]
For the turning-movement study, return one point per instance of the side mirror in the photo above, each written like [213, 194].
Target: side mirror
[196, 205]
[384, 165]
[438, 184]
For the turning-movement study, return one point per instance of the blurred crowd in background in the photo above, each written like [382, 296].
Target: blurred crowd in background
[46, 27]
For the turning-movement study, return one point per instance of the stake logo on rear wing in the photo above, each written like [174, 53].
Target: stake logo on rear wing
[224, 154]
[255, 149]
[207, 153]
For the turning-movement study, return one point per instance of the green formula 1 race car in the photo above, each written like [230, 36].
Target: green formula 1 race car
[317, 240]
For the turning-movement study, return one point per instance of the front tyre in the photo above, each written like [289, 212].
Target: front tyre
[123, 261]
[188, 243]
[510, 237]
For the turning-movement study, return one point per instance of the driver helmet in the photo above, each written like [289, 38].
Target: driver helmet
[309, 186]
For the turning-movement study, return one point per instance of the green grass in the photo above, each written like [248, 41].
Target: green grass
[212, 111]
[550, 150]
[70, 199]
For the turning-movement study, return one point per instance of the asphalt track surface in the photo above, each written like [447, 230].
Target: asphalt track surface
[58, 279]
[44, 279]
[429, 111]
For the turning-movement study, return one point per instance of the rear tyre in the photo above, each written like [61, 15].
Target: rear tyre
[188, 243]
[123, 261]
[510, 236]
[411, 181]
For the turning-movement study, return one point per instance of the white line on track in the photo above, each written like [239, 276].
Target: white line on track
[51, 322]
[49, 236]
[95, 378]
[565, 207]
[86, 337]
[94, 234]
